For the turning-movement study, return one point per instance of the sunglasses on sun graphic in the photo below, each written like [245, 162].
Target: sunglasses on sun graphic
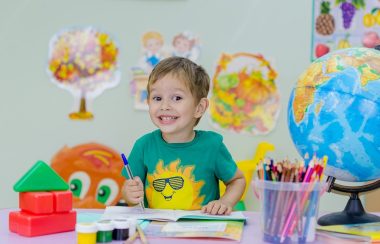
[175, 182]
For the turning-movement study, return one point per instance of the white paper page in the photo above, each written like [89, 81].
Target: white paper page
[233, 216]
[112, 212]
[194, 226]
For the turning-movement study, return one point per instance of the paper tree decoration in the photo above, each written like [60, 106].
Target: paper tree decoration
[84, 62]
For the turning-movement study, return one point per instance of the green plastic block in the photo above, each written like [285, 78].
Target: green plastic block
[40, 178]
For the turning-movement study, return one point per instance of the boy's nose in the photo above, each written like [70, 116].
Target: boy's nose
[165, 105]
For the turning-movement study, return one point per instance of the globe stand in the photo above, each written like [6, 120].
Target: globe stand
[354, 212]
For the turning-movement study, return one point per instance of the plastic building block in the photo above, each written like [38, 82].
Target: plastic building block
[13, 223]
[28, 224]
[63, 201]
[40, 178]
[37, 202]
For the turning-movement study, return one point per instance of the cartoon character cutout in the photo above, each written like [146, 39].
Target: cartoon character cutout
[153, 43]
[174, 187]
[153, 53]
[186, 45]
[92, 171]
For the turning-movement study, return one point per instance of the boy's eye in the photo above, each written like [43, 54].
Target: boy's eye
[177, 98]
[156, 98]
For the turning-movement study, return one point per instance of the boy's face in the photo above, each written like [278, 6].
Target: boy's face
[172, 108]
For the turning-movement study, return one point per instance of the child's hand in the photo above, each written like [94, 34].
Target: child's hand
[217, 207]
[133, 191]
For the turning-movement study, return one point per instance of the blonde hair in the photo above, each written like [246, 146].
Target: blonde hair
[195, 76]
[152, 35]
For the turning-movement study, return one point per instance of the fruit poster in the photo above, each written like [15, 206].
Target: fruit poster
[339, 24]
[244, 97]
[154, 49]
[84, 62]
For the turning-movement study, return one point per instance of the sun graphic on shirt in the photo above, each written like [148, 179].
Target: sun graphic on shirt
[174, 187]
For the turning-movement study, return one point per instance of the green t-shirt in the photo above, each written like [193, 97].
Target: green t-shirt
[181, 175]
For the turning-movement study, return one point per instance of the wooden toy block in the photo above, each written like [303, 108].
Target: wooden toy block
[63, 201]
[28, 224]
[40, 178]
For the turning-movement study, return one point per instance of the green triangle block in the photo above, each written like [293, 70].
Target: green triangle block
[40, 178]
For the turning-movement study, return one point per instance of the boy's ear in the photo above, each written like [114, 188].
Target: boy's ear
[201, 107]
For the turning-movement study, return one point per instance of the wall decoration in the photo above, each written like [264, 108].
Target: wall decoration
[186, 45]
[84, 62]
[183, 44]
[93, 172]
[244, 95]
[341, 24]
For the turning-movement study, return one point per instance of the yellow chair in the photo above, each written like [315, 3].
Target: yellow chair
[248, 166]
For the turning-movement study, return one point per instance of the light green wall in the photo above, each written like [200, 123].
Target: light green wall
[33, 111]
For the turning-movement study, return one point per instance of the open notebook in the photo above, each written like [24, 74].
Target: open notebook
[114, 212]
[226, 229]
[370, 230]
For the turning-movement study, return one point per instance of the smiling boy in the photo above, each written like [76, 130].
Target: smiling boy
[177, 167]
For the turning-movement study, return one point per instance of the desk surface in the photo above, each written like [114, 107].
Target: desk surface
[251, 234]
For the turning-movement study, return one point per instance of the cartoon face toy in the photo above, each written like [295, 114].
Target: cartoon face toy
[93, 172]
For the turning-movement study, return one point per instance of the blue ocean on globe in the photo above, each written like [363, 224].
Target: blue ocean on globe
[334, 110]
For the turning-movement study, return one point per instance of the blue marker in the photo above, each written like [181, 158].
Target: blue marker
[130, 175]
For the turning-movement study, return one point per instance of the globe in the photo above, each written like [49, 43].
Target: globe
[334, 110]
